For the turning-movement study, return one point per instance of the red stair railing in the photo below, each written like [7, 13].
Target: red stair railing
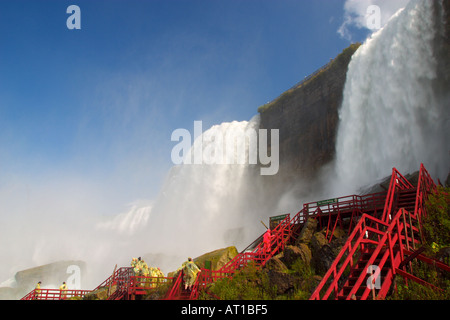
[258, 255]
[394, 239]
[329, 213]
[175, 292]
[281, 234]
[384, 239]
[425, 186]
[384, 242]
[54, 294]
[398, 182]
[141, 285]
[345, 258]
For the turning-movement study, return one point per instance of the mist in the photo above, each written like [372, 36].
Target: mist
[395, 108]
[123, 201]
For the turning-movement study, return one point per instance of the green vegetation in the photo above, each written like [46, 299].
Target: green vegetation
[246, 284]
[340, 61]
[301, 279]
[436, 229]
[437, 223]
[410, 290]
[251, 283]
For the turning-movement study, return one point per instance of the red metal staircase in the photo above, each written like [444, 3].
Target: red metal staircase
[383, 247]
[384, 234]
[119, 283]
[54, 294]
[258, 255]
[125, 285]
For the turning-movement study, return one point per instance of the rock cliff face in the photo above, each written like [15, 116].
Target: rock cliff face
[307, 118]
[51, 275]
[307, 115]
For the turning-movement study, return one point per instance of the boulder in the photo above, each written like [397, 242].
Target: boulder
[307, 232]
[218, 258]
[282, 282]
[339, 233]
[51, 275]
[293, 253]
[276, 264]
[317, 242]
[323, 259]
[324, 252]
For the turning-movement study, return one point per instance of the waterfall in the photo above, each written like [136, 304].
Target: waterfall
[393, 113]
[200, 203]
[203, 206]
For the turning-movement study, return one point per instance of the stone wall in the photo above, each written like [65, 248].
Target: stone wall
[307, 117]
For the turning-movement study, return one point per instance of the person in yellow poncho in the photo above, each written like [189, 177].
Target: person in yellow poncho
[145, 272]
[157, 276]
[63, 289]
[190, 272]
[37, 290]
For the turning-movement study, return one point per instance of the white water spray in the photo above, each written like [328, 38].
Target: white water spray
[392, 115]
[200, 208]
[201, 202]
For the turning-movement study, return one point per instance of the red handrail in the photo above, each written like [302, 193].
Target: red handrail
[281, 234]
[176, 288]
[140, 285]
[347, 252]
[54, 294]
[392, 239]
[356, 204]
[425, 186]
[395, 236]
[398, 182]
[384, 237]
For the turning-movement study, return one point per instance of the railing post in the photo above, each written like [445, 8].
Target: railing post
[335, 289]
[405, 230]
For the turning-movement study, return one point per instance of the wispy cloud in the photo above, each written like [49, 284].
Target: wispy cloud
[357, 15]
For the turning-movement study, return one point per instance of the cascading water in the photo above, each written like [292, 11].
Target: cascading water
[201, 207]
[201, 201]
[394, 113]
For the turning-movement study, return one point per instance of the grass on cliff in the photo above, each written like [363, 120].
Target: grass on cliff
[251, 283]
[246, 284]
[436, 232]
[437, 223]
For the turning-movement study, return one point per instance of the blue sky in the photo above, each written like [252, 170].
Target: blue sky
[96, 107]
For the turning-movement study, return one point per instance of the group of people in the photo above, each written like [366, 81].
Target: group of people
[62, 288]
[141, 269]
[189, 268]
